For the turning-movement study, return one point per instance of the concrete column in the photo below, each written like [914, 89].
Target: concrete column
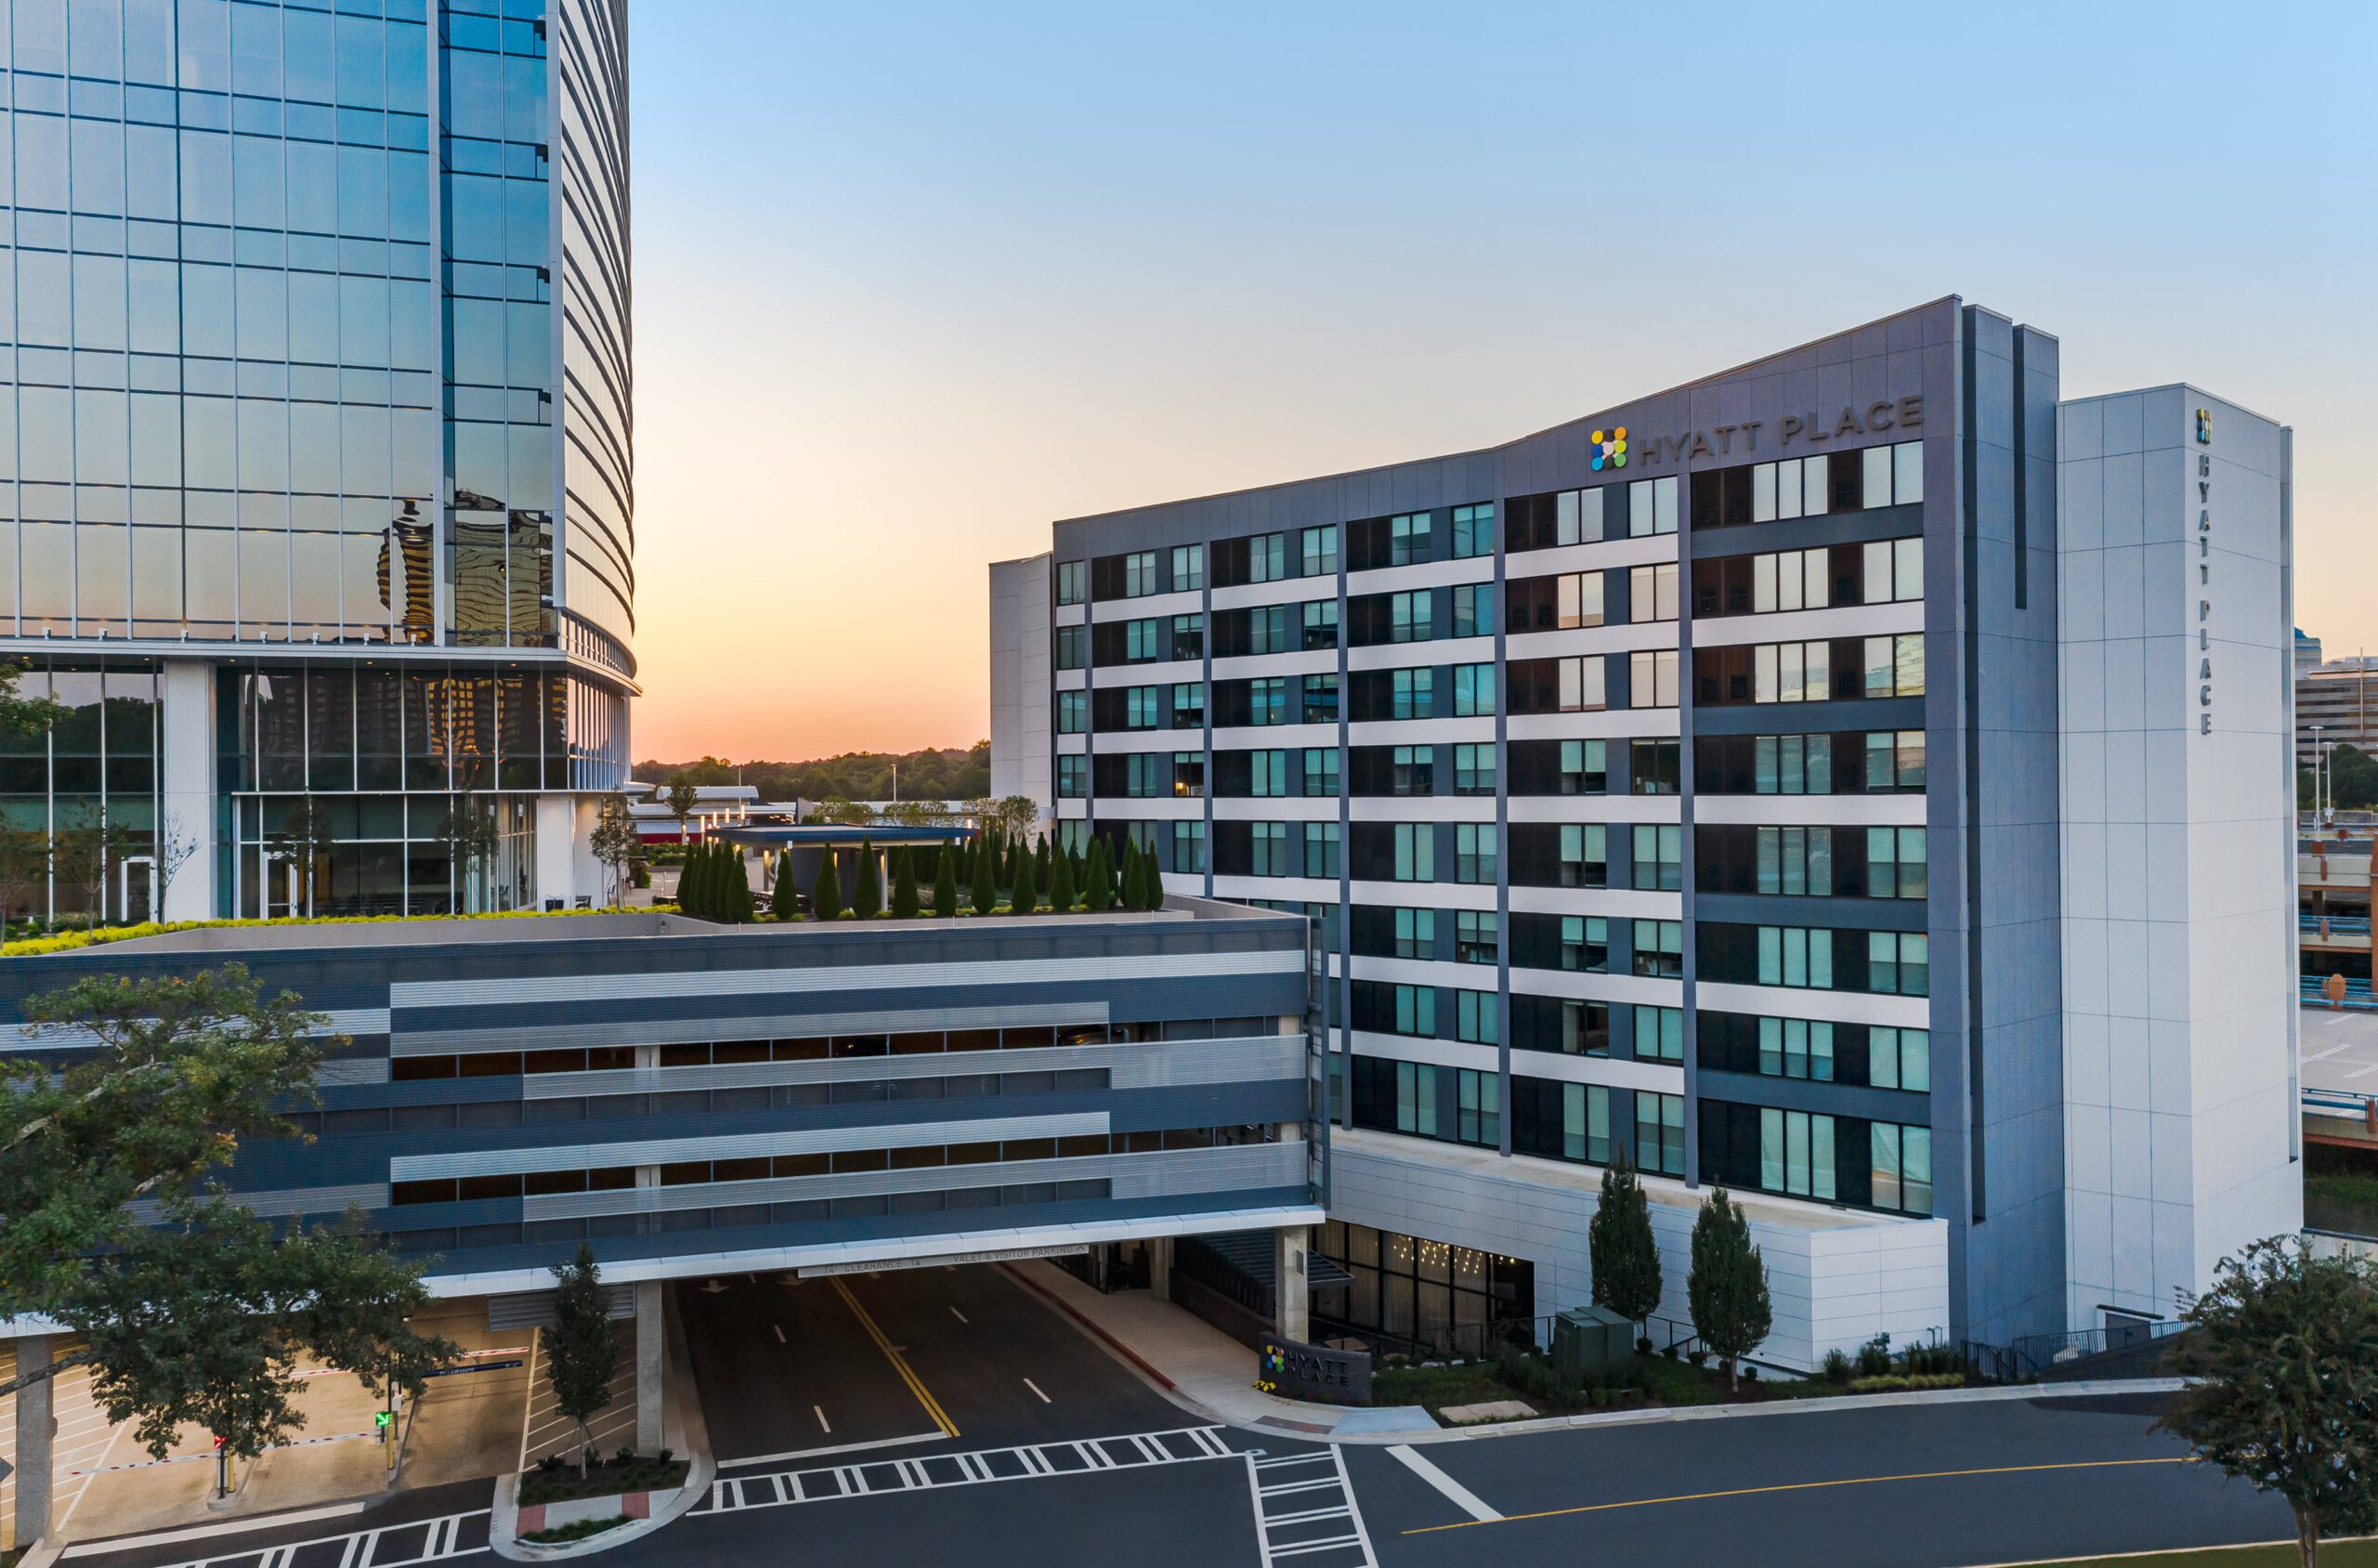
[648, 1367]
[555, 874]
[1291, 1294]
[1160, 1267]
[35, 1427]
[187, 741]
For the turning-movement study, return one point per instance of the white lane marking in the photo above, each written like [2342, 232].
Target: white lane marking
[935, 1436]
[1035, 1388]
[1362, 1531]
[528, 1404]
[823, 1424]
[203, 1531]
[959, 1315]
[2323, 1055]
[1456, 1493]
[779, 1328]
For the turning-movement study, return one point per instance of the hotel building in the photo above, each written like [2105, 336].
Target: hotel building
[1804, 780]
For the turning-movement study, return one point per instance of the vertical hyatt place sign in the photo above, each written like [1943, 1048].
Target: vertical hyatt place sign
[2205, 573]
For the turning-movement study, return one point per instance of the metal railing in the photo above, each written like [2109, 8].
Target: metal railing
[2040, 1350]
[2314, 992]
[2334, 926]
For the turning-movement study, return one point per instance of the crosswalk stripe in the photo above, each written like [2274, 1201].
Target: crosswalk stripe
[978, 1467]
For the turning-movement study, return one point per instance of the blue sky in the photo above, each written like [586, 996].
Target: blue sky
[913, 280]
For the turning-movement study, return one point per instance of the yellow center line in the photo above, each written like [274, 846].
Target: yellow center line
[908, 1374]
[1798, 1486]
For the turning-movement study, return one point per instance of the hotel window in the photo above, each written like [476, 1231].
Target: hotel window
[1792, 764]
[1267, 629]
[1659, 857]
[1141, 710]
[1907, 473]
[1318, 549]
[1585, 1123]
[1585, 944]
[1189, 705]
[1188, 567]
[1413, 771]
[1793, 672]
[1073, 647]
[1408, 540]
[1320, 624]
[1796, 1048]
[1415, 694]
[1072, 777]
[1142, 644]
[1409, 615]
[1795, 1153]
[1796, 956]
[1659, 1034]
[1188, 636]
[1655, 767]
[1585, 768]
[1584, 855]
[1893, 571]
[1416, 1093]
[1073, 712]
[1903, 1167]
[1474, 935]
[1474, 609]
[1894, 760]
[1473, 769]
[1888, 476]
[1188, 775]
[1651, 593]
[1580, 683]
[1147, 774]
[1899, 963]
[1577, 516]
[1321, 700]
[1896, 863]
[1189, 848]
[1895, 665]
[1659, 1132]
[1659, 949]
[1415, 933]
[1900, 1059]
[1139, 575]
[1073, 581]
[1321, 850]
[1651, 507]
[1473, 530]
[1577, 598]
[1479, 1096]
[1415, 1011]
[1270, 849]
[1651, 676]
[1267, 699]
[1320, 771]
[1473, 690]
[1267, 557]
[1415, 852]
[1477, 1017]
[1267, 773]
[1793, 580]
[1474, 852]
[1796, 862]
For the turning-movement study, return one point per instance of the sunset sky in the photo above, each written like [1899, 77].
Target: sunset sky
[913, 280]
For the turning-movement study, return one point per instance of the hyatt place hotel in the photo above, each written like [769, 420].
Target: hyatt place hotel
[1804, 780]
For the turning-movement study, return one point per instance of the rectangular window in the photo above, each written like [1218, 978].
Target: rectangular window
[1188, 637]
[1481, 1110]
[1799, 956]
[1415, 1010]
[1895, 665]
[1073, 712]
[1894, 760]
[1585, 768]
[1659, 1034]
[1654, 767]
[1792, 764]
[1473, 530]
[1189, 705]
[1188, 567]
[1903, 1167]
[1651, 507]
[1474, 852]
[1474, 937]
[1409, 537]
[1415, 852]
[1269, 843]
[1473, 690]
[1659, 1131]
[1651, 676]
[1413, 771]
[1416, 1091]
[1585, 944]
[1473, 769]
[1577, 516]
[1141, 707]
[1474, 609]
[1892, 571]
[1267, 557]
[1073, 648]
[1409, 615]
[1585, 1119]
[1896, 863]
[1321, 698]
[1584, 855]
[1073, 581]
[1795, 862]
[1651, 593]
[1899, 963]
[1188, 775]
[1320, 771]
[1189, 848]
[1659, 857]
[1414, 694]
[1321, 850]
[1577, 600]
[1659, 949]
[1795, 1153]
[1320, 617]
[1581, 684]
[1317, 547]
[1477, 1017]
[1267, 700]
[1073, 778]
[1793, 580]
[1900, 1059]
[1143, 642]
[1907, 473]
[1415, 933]
[1267, 773]
[1140, 577]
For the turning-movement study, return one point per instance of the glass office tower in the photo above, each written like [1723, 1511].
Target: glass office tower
[316, 442]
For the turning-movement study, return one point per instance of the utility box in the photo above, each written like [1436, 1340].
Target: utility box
[1586, 1340]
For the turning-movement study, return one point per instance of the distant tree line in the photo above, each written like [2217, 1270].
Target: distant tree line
[945, 774]
[2351, 783]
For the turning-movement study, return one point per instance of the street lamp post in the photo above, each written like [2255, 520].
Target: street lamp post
[2316, 774]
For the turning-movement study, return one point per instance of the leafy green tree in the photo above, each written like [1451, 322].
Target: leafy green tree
[615, 841]
[1024, 898]
[984, 894]
[944, 884]
[196, 1313]
[1016, 814]
[682, 797]
[826, 893]
[2353, 778]
[582, 1353]
[2282, 1364]
[1731, 1311]
[866, 894]
[1626, 1257]
[785, 901]
[1061, 886]
[1098, 888]
[904, 885]
[26, 716]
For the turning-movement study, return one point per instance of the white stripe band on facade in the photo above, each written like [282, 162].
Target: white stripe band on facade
[667, 1150]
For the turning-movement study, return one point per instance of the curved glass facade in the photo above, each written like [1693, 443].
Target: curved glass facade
[306, 348]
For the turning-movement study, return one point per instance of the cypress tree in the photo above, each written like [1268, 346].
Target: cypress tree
[985, 892]
[1151, 882]
[689, 881]
[785, 902]
[826, 893]
[1061, 886]
[1728, 1286]
[904, 885]
[944, 884]
[1025, 897]
[1625, 1258]
[737, 904]
[1042, 864]
[1098, 885]
[1131, 891]
[867, 895]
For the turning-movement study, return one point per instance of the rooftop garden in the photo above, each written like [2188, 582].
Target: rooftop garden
[994, 874]
[73, 938]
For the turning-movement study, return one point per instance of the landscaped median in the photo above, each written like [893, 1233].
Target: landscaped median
[557, 1505]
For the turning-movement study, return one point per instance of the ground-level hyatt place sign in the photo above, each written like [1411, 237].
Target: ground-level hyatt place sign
[1794, 433]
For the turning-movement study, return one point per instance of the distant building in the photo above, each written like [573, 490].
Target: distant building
[2335, 705]
[2307, 653]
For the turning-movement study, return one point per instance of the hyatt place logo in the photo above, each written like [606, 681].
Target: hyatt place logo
[1610, 448]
